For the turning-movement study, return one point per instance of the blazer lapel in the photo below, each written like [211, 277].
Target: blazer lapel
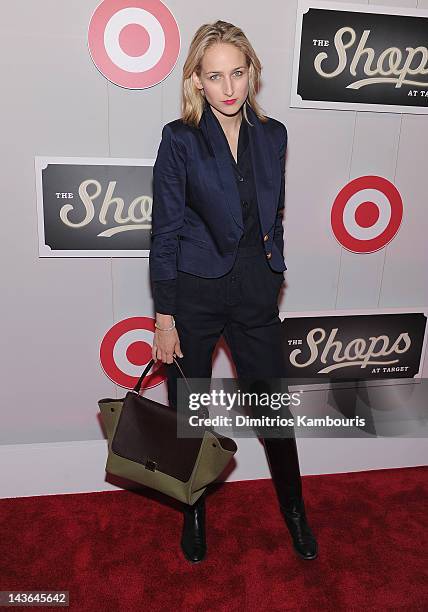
[219, 147]
[265, 169]
[263, 165]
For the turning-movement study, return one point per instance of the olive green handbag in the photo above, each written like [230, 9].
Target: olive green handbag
[143, 446]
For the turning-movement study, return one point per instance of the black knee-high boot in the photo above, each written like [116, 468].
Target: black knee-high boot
[193, 542]
[284, 466]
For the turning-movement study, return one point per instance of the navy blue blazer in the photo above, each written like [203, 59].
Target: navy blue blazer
[197, 215]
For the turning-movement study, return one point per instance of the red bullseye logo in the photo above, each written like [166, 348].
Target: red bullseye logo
[366, 214]
[134, 44]
[125, 351]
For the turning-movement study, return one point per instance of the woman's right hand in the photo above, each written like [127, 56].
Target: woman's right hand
[166, 344]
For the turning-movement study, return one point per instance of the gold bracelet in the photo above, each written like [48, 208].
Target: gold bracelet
[166, 328]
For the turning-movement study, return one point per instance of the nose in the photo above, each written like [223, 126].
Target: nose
[227, 86]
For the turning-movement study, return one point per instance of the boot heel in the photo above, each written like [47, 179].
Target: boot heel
[304, 541]
[284, 467]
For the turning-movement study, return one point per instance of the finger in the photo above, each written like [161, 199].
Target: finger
[178, 349]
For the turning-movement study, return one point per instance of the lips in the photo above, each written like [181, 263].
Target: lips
[230, 101]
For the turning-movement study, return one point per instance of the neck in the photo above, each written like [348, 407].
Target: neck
[229, 123]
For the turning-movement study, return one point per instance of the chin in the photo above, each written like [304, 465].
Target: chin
[228, 110]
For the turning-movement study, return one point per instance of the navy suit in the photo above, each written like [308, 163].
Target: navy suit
[197, 218]
[222, 288]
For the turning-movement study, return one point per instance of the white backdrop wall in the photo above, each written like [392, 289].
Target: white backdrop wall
[55, 311]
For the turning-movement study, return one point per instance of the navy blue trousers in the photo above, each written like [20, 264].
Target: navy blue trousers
[241, 305]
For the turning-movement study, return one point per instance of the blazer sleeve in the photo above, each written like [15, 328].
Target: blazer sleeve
[279, 230]
[169, 200]
[164, 296]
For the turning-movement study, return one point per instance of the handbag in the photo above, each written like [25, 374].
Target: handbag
[143, 445]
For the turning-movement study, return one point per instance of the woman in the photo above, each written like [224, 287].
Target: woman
[216, 259]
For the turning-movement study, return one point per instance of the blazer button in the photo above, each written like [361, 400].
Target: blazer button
[269, 255]
[266, 237]
[241, 178]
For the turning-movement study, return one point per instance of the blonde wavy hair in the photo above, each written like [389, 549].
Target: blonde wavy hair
[193, 101]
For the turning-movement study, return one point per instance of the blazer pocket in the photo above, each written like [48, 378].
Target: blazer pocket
[195, 241]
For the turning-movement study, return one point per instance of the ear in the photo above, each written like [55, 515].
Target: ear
[197, 81]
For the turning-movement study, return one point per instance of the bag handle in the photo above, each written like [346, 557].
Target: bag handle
[137, 387]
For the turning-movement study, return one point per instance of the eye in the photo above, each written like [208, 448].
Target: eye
[240, 72]
[212, 77]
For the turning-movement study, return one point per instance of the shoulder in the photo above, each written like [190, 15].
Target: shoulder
[178, 129]
[180, 134]
[278, 135]
[276, 128]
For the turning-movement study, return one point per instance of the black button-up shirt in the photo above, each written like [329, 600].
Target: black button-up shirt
[164, 290]
[247, 189]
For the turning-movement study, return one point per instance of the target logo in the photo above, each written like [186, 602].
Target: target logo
[134, 44]
[125, 351]
[366, 214]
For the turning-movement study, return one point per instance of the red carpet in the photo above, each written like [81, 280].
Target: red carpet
[120, 550]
